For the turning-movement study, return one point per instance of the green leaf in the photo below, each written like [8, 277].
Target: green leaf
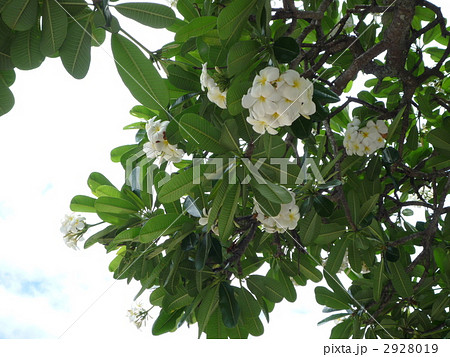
[114, 205]
[197, 27]
[149, 14]
[323, 206]
[249, 305]
[20, 15]
[187, 10]
[439, 138]
[390, 155]
[264, 286]
[230, 136]
[201, 133]
[234, 96]
[174, 302]
[25, 53]
[324, 95]
[204, 245]
[268, 207]
[228, 305]
[54, 27]
[332, 318]
[226, 216]
[378, 280]
[220, 191]
[329, 233]
[286, 49]
[162, 225]
[82, 203]
[117, 153]
[273, 192]
[178, 185]
[440, 304]
[233, 18]
[309, 227]
[368, 206]
[288, 290]
[395, 123]
[166, 322]
[301, 127]
[7, 78]
[106, 232]
[6, 100]
[182, 79]
[328, 298]
[240, 55]
[75, 51]
[96, 179]
[208, 305]
[139, 75]
[336, 256]
[400, 279]
[354, 254]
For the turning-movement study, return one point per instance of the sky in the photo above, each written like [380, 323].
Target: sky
[59, 131]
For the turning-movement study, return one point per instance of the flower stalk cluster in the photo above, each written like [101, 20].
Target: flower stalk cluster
[287, 219]
[158, 146]
[276, 100]
[73, 226]
[365, 140]
[214, 93]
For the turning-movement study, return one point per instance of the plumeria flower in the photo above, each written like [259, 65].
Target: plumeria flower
[214, 94]
[365, 140]
[73, 226]
[287, 219]
[138, 315]
[281, 97]
[261, 125]
[158, 146]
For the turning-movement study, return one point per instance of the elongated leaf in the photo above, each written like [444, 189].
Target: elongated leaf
[204, 245]
[273, 192]
[249, 306]
[114, 205]
[20, 15]
[149, 14]
[174, 302]
[310, 227]
[367, 207]
[197, 27]
[440, 138]
[354, 255]
[183, 79]
[269, 208]
[186, 9]
[400, 279]
[207, 307]
[161, 225]
[336, 256]
[329, 233]
[165, 322]
[332, 317]
[96, 179]
[395, 123]
[75, 51]
[288, 288]
[234, 97]
[230, 135]
[228, 305]
[378, 281]
[6, 99]
[201, 133]
[25, 53]
[54, 27]
[226, 216]
[323, 206]
[82, 203]
[328, 298]
[178, 185]
[286, 49]
[309, 271]
[240, 55]
[264, 286]
[139, 75]
[233, 18]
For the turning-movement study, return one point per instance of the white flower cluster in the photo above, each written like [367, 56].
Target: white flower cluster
[366, 140]
[276, 100]
[158, 146]
[138, 315]
[214, 94]
[73, 226]
[204, 221]
[286, 219]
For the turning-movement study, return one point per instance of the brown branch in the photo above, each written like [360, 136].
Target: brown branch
[241, 247]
